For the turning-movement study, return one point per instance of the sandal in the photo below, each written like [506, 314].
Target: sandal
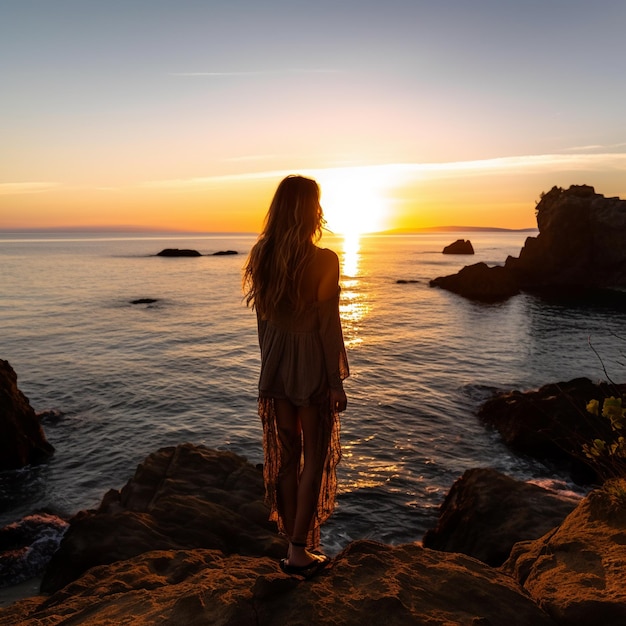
[306, 571]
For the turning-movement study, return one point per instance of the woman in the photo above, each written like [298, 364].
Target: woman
[294, 287]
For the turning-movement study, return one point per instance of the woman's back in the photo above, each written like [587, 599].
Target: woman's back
[320, 279]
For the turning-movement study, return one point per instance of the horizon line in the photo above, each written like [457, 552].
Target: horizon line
[120, 229]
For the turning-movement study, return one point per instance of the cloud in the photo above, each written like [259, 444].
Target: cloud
[203, 181]
[613, 146]
[540, 162]
[256, 73]
[400, 172]
[250, 157]
[14, 189]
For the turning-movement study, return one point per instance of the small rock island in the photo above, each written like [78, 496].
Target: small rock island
[174, 252]
[460, 246]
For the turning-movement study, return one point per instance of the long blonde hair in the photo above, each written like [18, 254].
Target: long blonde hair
[274, 269]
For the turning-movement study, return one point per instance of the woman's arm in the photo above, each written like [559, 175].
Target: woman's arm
[330, 329]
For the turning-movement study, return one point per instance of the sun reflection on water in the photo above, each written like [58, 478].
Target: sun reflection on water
[351, 255]
[353, 307]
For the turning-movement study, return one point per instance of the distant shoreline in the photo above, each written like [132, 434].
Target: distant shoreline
[452, 229]
[130, 230]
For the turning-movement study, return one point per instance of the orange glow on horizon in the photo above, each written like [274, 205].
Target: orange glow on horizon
[356, 200]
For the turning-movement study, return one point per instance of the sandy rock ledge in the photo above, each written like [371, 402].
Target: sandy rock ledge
[366, 583]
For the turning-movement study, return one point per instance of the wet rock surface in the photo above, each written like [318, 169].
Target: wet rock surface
[22, 440]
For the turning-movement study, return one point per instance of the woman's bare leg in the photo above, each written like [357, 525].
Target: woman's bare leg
[290, 441]
[298, 493]
[309, 483]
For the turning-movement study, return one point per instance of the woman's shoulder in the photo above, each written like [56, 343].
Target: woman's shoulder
[327, 256]
[328, 268]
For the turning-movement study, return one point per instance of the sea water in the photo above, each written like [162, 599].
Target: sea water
[132, 352]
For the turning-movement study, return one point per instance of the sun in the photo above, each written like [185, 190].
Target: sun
[354, 200]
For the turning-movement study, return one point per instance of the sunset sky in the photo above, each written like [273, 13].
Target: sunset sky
[410, 113]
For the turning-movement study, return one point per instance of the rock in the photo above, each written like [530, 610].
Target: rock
[580, 242]
[144, 301]
[551, 423]
[27, 546]
[225, 253]
[22, 440]
[485, 513]
[576, 573]
[180, 497]
[460, 246]
[178, 252]
[368, 583]
[572, 575]
[405, 281]
[479, 282]
[579, 249]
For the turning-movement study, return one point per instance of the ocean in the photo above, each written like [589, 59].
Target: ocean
[132, 352]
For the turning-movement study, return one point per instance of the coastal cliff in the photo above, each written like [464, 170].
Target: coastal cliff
[580, 242]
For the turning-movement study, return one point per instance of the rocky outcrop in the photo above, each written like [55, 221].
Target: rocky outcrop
[551, 423]
[144, 301]
[22, 440]
[178, 252]
[576, 573]
[187, 495]
[580, 248]
[486, 513]
[180, 497]
[460, 246]
[26, 546]
[479, 282]
[174, 252]
[367, 583]
[580, 242]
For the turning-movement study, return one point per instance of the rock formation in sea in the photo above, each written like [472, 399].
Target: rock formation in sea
[174, 252]
[580, 246]
[552, 423]
[22, 440]
[187, 541]
[580, 242]
[480, 282]
[460, 246]
[144, 301]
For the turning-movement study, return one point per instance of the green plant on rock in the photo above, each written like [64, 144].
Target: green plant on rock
[608, 455]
